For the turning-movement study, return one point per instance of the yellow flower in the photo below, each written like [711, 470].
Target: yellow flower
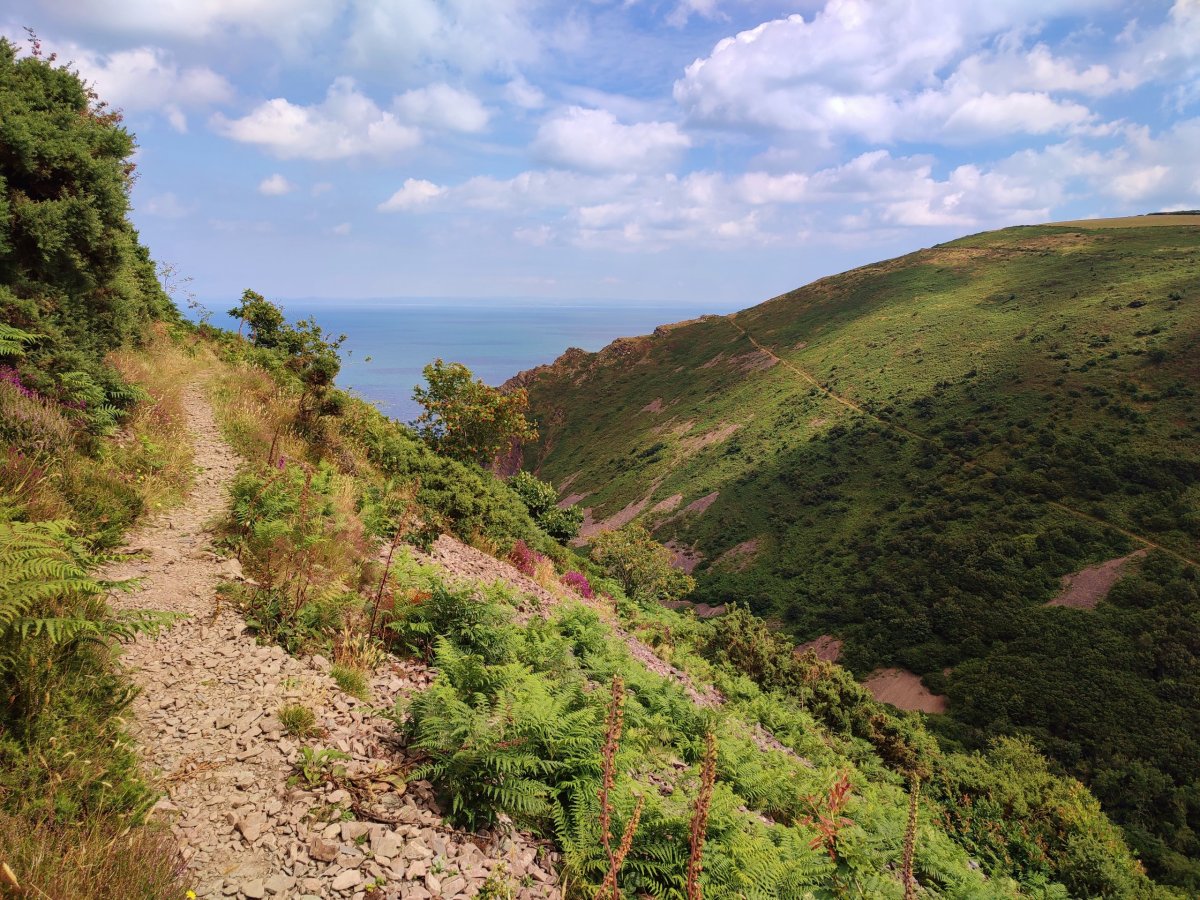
[190, 895]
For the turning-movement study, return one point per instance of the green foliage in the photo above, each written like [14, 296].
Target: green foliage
[1017, 818]
[352, 681]
[51, 613]
[458, 497]
[641, 565]
[315, 766]
[304, 350]
[297, 720]
[500, 738]
[74, 281]
[63, 754]
[1008, 398]
[466, 419]
[419, 620]
[541, 500]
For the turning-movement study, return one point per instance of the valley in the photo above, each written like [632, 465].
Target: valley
[910, 458]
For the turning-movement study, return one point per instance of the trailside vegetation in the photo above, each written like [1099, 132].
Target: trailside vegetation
[798, 783]
[91, 438]
[466, 419]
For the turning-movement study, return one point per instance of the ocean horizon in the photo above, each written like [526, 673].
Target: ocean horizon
[390, 340]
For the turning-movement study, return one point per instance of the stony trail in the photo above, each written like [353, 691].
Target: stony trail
[206, 722]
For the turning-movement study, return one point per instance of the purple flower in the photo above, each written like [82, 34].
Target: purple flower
[578, 582]
[524, 559]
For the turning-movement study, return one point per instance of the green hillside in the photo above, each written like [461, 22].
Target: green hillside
[910, 456]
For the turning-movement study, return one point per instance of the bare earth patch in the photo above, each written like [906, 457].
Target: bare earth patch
[696, 443]
[620, 518]
[1087, 587]
[825, 647]
[684, 557]
[903, 690]
[702, 504]
[654, 406]
[572, 499]
[668, 505]
[738, 556]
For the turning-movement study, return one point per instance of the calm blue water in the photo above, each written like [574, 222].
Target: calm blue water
[495, 338]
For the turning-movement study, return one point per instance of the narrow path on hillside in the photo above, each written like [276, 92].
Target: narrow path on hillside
[965, 462]
[206, 721]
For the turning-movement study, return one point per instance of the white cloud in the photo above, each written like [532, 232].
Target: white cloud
[148, 79]
[593, 140]
[321, 187]
[520, 92]
[467, 35]
[344, 125]
[534, 235]
[166, 206]
[415, 192]
[441, 106]
[275, 186]
[889, 70]
[196, 20]
[341, 229]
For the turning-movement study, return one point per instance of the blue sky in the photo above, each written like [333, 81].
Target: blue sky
[690, 151]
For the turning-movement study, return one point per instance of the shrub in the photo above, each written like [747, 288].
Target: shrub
[524, 559]
[477, 626]
[499, 738]
[465, 418]
[641, 565]
[541, 500]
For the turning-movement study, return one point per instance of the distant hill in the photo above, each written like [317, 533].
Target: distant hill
[906, 461]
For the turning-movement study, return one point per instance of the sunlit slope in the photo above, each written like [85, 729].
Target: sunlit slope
[911, 445]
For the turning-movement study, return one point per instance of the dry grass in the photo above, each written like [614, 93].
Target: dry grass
[92, 861]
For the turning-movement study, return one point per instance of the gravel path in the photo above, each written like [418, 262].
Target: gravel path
[206, 721]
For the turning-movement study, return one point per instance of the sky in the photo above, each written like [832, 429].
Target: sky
[672, 151]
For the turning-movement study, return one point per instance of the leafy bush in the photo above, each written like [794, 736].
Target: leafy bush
[641, 565]
[541, 500]
[455, 614]
[465, 418]
[578, 582]
[500, 738]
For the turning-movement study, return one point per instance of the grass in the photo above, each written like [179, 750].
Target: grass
[298, 720]
[95, 861]
[953, 431]
[352, 681]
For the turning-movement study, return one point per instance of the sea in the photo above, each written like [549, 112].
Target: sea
[389, 341]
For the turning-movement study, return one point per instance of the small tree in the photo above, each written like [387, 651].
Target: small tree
[467, 419]
[641, 565]
[264, 318]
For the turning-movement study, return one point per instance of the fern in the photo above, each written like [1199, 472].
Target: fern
[49, 599]
[13, 340]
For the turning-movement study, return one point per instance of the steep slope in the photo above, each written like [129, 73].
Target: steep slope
[911, 456]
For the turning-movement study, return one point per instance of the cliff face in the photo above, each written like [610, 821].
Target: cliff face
[908, 458]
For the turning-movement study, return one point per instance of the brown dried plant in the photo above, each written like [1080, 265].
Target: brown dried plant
[910, 842]
[612, 739]
[708, 778]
